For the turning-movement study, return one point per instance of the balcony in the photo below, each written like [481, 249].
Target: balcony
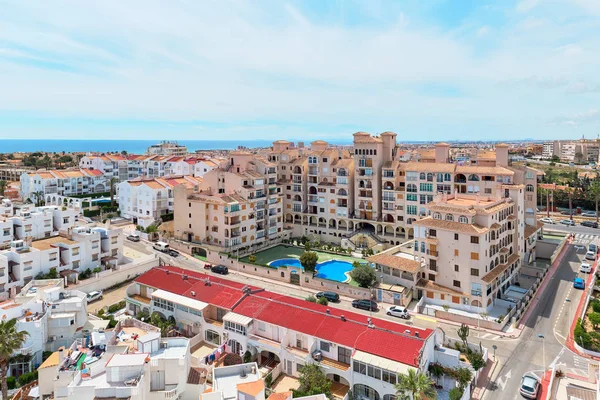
[234, 221]
[328, 362]
[432, 253]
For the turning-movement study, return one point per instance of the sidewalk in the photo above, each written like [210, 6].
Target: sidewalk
[485, 378]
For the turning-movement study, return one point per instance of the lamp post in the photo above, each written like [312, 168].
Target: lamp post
[543, 350]
[494, 347]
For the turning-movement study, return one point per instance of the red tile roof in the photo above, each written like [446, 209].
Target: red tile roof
[386, 340]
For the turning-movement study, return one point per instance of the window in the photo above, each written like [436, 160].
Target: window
[474, 272]
[213, 337]
[449, 217]
[299, 366]
[233, 327]
[411, 210]
[456, 283]
[344, 355]
[437, 215]
[463, 220]
[261, 326]
[432, 233]
[373, 372]
[456, 268]
[474, 256]
[456, 236]
[324, 346]
[426, 187]
[475, 239]
[476, 289]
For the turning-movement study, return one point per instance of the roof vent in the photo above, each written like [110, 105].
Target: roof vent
[328, 311]
[193, 293]
[185, 277]
[407, 331]
[343, 318]
[167, 271]
[417, 334]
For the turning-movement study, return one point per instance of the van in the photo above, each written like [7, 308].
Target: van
[161, 246]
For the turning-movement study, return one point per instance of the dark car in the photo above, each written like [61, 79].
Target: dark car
[590, 224]
[330, 296]
[173, 253]
[220, 269]
[363, 304]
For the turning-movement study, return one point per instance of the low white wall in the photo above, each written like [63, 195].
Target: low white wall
[109, 278]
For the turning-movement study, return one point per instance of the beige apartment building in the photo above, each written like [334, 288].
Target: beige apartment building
[235, 206]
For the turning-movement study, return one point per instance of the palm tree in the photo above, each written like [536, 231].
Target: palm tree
[416, 384]
[39, 196]
[2, 187]
[112, 182]
[11, 340]
[595, 191]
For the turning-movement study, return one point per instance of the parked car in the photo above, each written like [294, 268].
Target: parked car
[330, 296]
[589, 214]
[173, 253]
[398, 311]
[567, 222]
[365, 304]
[585, 268]
[578, 283]
[590, 255]
[94, 296]
[530, 386]
[134, 237]
[220, 269]
[161, 246]
[547, 221]
[565, 212]
[593, 247]
[590, 224]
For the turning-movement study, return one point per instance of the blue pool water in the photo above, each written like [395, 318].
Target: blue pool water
[334, 270]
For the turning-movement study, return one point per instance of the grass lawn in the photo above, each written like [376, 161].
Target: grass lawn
[281, 251]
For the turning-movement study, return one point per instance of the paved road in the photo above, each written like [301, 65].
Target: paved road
[574, 229]
[551, 318]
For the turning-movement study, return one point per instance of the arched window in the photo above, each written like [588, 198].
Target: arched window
[463, 220]
[449, 217]
[416, 245]
[389, 397]
[430, 177]
[342, 192]
[440, 177]
[447, 178]
[411, 187]
[529, 188]
[473, 178]
[437, 215]
[422, 176]
[365, 392]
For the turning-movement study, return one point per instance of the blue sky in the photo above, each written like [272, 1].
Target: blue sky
[269, 69]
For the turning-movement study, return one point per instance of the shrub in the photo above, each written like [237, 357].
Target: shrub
[97, 269]
[116, 307]
[455, 394]
[28, 377]
[232, 359]
[11, 381]
[167, 217]
[91, 213]
[323, 301]
[596, 305]
[252, 258]
[363, 274]
[311, 298]
[594, 319]
[46, 354]
[268, 380]
[247, 357]
[476, 360]
[85, 274]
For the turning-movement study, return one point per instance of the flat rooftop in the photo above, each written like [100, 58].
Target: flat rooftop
[45, 244]
[468, 202]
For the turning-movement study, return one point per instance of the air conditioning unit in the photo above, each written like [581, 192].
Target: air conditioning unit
[317, 356]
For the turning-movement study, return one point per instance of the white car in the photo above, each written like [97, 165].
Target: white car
[530, 386]
[585, 267]
[94, 296]
[398, 311]
[589, 214]
[590, 255]
[547, 221]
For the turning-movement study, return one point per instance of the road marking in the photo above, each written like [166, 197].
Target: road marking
[425, 318]
[502, 382]
[560, 336]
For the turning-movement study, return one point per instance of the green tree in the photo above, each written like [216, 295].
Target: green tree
[312, 381]
[39, 198]
[323, 301]
[363, 274]
[476, 360]
[594, 319]
[309, 259]
[2, 187]
[11, 340]
[595, 192]
[416, 384]
[463, 376]
[463, 334]
[455, 394]
[112, 182]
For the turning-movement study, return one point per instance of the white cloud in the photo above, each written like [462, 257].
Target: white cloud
[524, 6]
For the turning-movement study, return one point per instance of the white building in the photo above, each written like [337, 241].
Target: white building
[35, 186]
[112, 166]
[146, 200]
[75, 251]
[51, 315]
[6, 207]
[137, 364]
[167, 148]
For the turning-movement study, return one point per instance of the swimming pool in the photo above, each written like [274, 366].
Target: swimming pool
[334, 270]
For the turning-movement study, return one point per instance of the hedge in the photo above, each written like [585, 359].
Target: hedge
[91, 195]
[110, 208]
[91, 213]
[167, 217]
[27, 378]
[11, 381]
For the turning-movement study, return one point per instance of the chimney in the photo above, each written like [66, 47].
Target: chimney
[442, 152]
[61, 355]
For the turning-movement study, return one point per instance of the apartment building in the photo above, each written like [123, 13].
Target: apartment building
[42, 222]
[167, 148]
[36, 186]
[283, 333]
[118, 166]
[52, 315]
[131, 362]
[6, 207]
[73, 251]
[145, 200]
[577, 151]
[236, 205]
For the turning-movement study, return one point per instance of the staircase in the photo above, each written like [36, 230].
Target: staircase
[363, 240]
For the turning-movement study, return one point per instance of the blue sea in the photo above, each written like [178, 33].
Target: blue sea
[131, 146]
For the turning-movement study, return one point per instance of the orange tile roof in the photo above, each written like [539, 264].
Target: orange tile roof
[280, 396]
[393, 261]
[251, 388]
[451, 226]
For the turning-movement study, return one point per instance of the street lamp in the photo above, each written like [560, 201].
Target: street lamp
[494, 347]
[543, 350]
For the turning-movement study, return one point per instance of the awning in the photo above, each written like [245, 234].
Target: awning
[182, 300]
[63, 315]
[237, 318]
[381, 362]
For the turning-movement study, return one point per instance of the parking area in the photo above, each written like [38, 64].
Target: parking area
[108, 298]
